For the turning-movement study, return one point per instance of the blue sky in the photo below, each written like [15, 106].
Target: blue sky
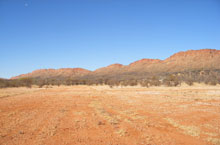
[36, 34]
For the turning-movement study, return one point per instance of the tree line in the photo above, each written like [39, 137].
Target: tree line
[209, 77]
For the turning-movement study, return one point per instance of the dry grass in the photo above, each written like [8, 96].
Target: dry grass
[121, 132]
[189, 130]
[7, 92]
[111, 118]
[215, 141]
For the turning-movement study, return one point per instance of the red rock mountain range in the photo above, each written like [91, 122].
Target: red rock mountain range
[204, 59]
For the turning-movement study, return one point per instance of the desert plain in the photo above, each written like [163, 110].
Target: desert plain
[100, 115]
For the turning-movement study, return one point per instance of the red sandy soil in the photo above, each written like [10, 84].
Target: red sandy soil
[99, 115]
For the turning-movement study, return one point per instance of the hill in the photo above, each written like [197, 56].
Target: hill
[188, 61]
[54, 73]
[189, 66]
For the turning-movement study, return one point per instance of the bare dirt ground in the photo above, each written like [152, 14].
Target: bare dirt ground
[99, 115]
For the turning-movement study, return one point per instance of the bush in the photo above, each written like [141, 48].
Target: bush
[27, 82]
[213, 82]
[41, 83]
[3, 83]
[132, 82]
[171, 80]
[144, 83]
[189, 82]
[155, 81]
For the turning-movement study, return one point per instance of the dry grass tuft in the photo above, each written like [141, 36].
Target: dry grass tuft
[215, 141]
[121, 132]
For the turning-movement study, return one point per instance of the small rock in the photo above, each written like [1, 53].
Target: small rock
[3, 135]
[21, 132]
[101, 123]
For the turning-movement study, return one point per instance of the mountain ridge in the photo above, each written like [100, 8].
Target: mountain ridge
[178, 62]
[54, 72]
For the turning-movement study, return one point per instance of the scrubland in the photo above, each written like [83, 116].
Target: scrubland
[100, 115]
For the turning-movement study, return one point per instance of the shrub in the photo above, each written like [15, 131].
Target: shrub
[213, 82]
[171, 80]
[41, 83]
[27, 82]
[189, 82]
[144, 83]
[155, 81]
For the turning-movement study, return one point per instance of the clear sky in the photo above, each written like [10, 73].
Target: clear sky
[36, 34]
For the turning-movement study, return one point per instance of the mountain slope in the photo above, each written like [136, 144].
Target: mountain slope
[54, 73]
[193, 60]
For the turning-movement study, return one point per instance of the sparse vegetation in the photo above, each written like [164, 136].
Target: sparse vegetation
[209, 77]
[189, 130]
[171, 80]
